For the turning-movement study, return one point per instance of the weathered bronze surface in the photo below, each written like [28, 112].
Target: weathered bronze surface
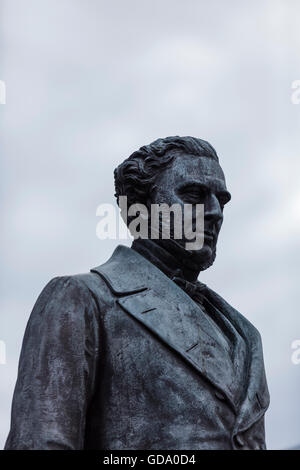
[139, 354]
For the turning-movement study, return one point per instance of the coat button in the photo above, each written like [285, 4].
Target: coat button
[239, 441]
[219, 395]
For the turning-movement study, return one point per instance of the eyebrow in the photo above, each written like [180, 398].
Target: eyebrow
[195, 184]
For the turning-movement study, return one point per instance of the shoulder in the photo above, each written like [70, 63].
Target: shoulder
[76, 287]
[77, 295]
[65, 288]
[66, 299]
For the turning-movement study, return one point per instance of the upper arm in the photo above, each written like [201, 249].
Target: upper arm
[57, 369]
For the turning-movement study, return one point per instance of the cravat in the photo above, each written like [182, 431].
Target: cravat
[196, 290]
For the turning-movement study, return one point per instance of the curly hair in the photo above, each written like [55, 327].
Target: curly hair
[135, 177]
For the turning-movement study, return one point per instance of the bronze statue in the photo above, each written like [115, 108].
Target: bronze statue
[137, 353]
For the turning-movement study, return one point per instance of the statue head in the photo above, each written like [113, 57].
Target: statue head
[178, 170]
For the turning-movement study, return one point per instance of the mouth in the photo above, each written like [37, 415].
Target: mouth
[209, 235]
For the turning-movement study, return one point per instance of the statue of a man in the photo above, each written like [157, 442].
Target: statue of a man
[137, 353]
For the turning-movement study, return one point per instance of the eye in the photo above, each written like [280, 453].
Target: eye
[191, 194]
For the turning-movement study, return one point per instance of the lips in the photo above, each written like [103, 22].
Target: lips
[209, 235]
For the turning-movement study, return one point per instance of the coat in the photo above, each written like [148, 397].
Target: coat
[122, 358]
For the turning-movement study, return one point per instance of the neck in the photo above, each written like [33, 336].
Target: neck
[169, 257]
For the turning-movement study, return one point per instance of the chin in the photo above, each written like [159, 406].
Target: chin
[206, 257]
[204, 253]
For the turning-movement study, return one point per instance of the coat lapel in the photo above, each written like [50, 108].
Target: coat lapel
[256, 397]
[183, 327]
[161, 306]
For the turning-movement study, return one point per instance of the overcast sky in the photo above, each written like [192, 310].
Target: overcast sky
[89, 82]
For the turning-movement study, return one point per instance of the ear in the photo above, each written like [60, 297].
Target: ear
[151, 196]
[148, 204]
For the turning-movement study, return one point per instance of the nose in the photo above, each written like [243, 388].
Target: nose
[212, 209]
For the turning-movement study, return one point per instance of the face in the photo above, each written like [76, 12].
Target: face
[196, 180]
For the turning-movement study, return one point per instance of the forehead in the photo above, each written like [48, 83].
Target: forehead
[196, 169]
